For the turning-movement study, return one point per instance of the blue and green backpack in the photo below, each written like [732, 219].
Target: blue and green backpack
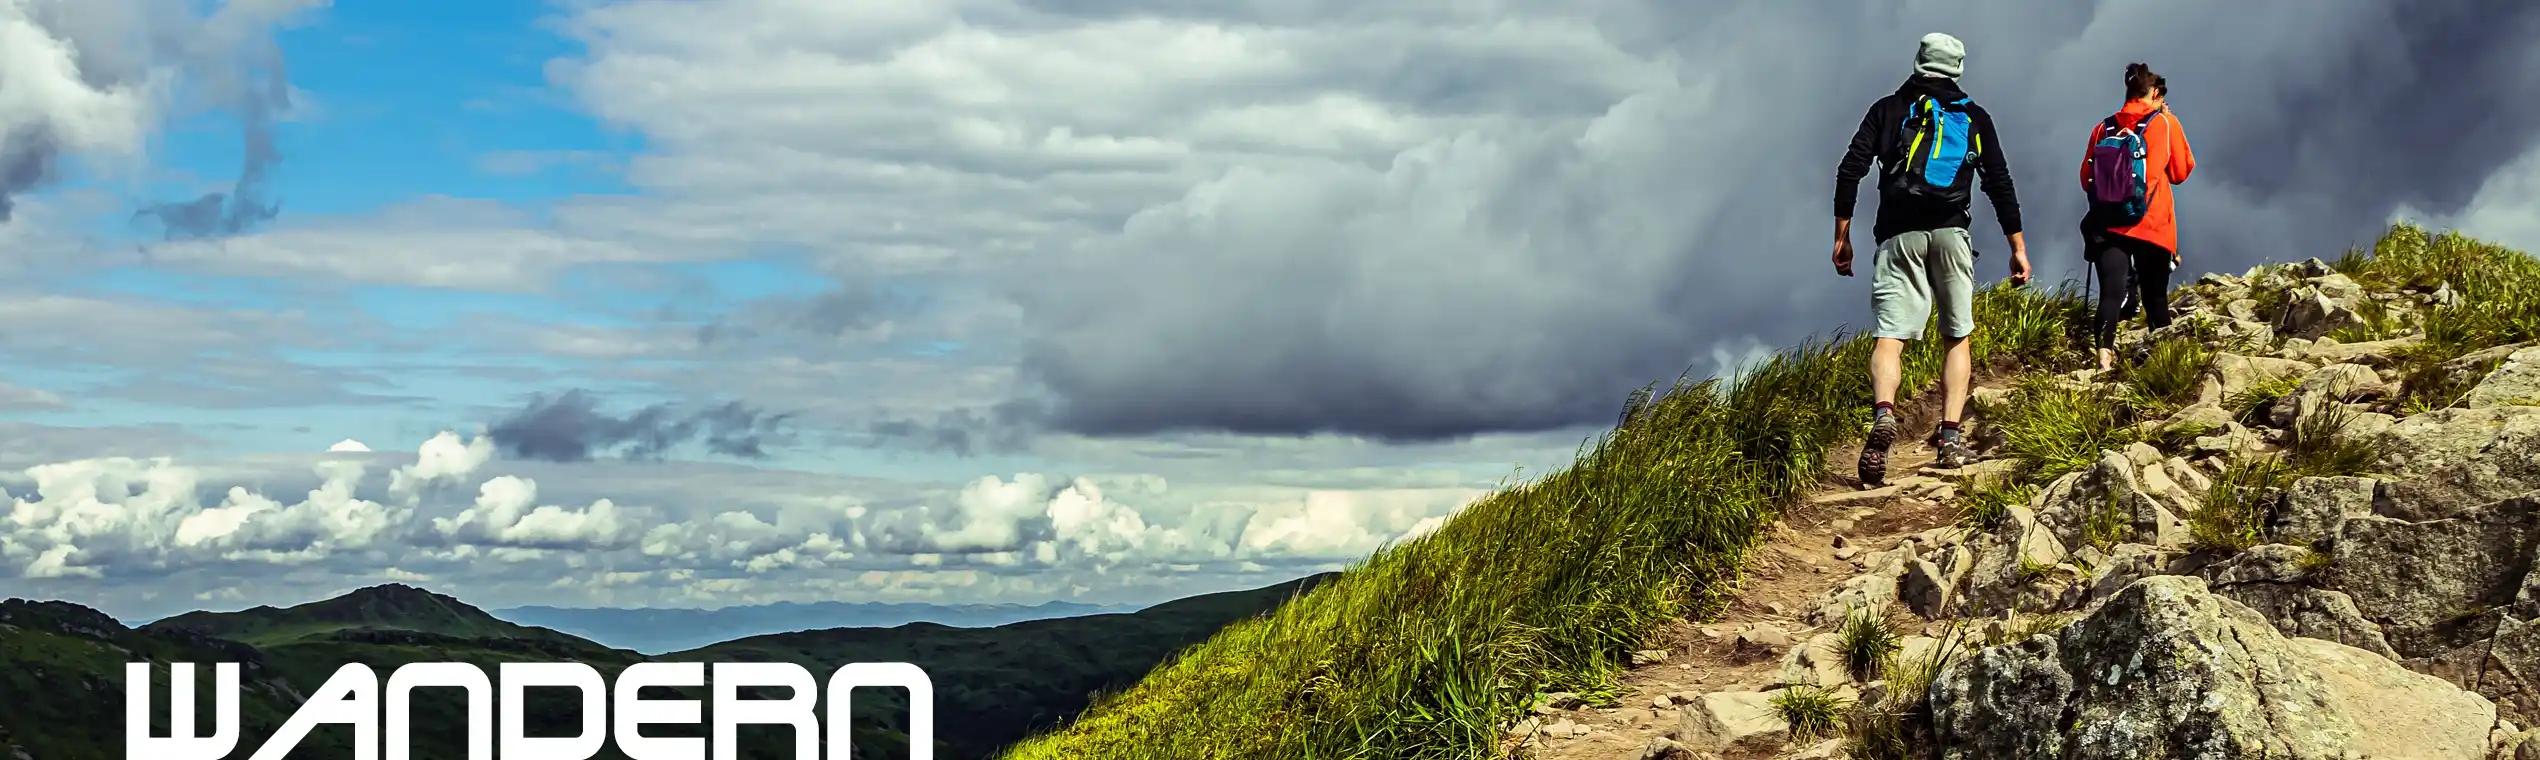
[1941, 144]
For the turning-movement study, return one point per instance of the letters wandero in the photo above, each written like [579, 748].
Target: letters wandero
[352, 695]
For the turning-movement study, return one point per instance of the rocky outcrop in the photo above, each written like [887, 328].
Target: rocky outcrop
[2108, 505]
[2415, 576]
[2314, 509]
[2514, 382]
[2167, 668]
[2274, 580]
[2445, 460]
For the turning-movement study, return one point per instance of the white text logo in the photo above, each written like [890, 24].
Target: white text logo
[352, 697]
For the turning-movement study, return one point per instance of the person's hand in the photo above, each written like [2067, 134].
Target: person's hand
[1843, 247]
[2019, 259]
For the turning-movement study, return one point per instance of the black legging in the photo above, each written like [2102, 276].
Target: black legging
[2125, 261]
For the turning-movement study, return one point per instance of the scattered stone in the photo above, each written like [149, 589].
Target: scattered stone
[2483, 361]
[1847, 553]
[1742, 722]
[2320, 310]
[2142, 454]
[2230, 441]
[1870, 591]
[1662, 702]
[1842, 526]
[2126, 564]
[1815, 663]
[2332, 384]
[2240, 373]
[1761, 640]
[1648, 657]
[2195, 420]
[2372, 353]
[2069, 506]
[1982, 473]
[2168, 669]
[1926, 589]
[1841, 542]
[1663, 748]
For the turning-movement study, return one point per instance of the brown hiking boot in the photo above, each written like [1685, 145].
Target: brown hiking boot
[1874, 451]
[1954, 453]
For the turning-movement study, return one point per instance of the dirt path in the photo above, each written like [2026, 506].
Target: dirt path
[1815, 547]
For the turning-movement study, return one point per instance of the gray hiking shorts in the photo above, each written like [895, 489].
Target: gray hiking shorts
[1918, 271]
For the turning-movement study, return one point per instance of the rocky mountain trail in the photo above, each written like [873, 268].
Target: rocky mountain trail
[2318, 545]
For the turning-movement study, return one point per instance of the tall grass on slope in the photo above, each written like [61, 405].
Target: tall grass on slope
[2497, 301]
[1428, 647]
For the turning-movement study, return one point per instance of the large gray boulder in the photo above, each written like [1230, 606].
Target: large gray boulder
[2275, 581]
[2167, 669]
[2441, 462]
[2314, 509]
[2515, 381]
[2416, 576]
[1998, 578]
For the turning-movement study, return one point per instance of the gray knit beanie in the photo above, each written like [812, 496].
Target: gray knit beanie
[1941, 56]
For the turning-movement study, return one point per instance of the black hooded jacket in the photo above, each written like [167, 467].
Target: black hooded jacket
[1880, 137]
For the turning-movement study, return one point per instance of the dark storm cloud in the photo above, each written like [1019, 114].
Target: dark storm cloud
[1003, 428]
[1527, 276]
[570, 427]
[841, 310]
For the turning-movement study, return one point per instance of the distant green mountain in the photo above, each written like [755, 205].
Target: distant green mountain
[389, 607]
[61, 668]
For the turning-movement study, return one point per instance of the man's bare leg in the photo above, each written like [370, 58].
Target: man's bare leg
[1887, 371]
[1957, 371]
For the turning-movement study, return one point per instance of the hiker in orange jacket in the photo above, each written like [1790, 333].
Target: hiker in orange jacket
[2136, 255]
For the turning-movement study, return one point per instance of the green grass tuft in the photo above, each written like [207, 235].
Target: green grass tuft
[2054, 428]
[2317, 447]
[1813, 712]
[1867, 643]
[1985, 507]
[2233, 516]
[2168, 377]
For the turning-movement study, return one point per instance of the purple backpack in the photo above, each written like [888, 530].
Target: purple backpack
[2119, 191]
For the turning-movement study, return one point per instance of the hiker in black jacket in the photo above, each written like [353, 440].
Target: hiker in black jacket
[1928, 137]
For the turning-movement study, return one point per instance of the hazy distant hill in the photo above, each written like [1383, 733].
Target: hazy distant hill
[671, 629]
[62, 688]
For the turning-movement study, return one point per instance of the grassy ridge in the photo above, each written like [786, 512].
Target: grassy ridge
[1427, 648]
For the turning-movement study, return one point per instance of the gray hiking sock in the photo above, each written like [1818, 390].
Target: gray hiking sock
[1949, 433]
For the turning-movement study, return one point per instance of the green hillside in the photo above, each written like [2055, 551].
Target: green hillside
[1428, 648]
[1001, 683]
[61, 669]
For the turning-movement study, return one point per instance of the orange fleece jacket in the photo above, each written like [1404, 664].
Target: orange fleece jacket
[2167, 160]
